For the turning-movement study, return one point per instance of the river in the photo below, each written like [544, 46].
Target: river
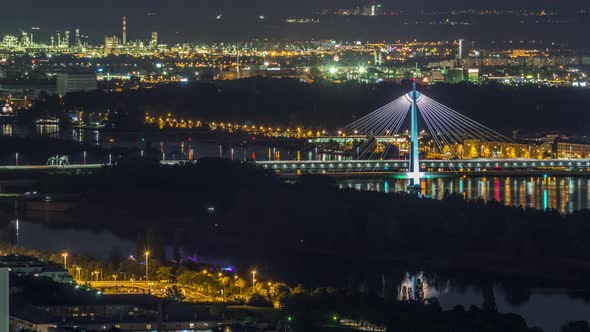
[564, 194]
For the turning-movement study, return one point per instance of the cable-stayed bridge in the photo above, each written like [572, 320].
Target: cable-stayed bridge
[450, 143]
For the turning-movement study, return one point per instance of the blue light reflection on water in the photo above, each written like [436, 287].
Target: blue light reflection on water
[566, 194]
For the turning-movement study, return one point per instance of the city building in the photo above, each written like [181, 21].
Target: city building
[32, 319]
[373, 9]
[133, 312]
[31, 266]
[73, 82]
[154, 40]
[567, 149]
[110, 43]
[454, 75]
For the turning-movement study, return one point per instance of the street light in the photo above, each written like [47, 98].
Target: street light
[253, 281]
[99, 272]
[65, 256]
[147, 254]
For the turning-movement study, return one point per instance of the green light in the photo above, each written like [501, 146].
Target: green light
[335, 318]
[289, 318]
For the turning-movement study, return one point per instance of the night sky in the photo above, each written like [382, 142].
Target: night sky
[190, 18]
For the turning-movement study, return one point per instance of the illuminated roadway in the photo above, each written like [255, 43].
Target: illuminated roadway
[351, 167]
[506, 166]
[153, 287]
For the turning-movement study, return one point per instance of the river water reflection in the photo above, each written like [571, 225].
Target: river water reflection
[532, 304]
[564, 194]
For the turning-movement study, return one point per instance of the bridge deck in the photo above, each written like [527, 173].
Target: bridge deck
[430, 166]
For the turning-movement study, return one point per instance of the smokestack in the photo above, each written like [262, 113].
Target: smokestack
[124, 30]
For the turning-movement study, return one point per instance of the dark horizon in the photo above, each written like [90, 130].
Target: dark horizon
[183, 20]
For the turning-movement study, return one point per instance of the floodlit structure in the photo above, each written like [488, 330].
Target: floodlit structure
[154, 40]
[449, 130]
[414, 175]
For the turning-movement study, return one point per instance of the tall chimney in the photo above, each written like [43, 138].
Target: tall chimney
[124, 30]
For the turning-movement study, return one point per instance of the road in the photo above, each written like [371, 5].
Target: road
[156, 288]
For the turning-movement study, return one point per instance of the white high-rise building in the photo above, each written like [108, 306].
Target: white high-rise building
[154, 41]
[4, 299]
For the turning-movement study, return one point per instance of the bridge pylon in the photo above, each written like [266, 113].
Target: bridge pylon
[414, 174]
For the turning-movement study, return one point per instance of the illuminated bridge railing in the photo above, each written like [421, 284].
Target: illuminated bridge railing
[393, 166]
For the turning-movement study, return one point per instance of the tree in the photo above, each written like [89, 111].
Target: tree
[164, 273]
[278, 292]
[299, 289]
[258, 300]
[174, 293]
[241, 284]
[187, 278]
